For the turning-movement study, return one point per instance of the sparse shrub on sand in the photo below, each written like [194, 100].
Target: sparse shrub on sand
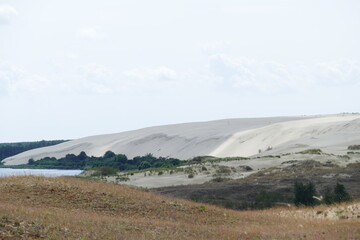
[354, 147]
[312, 151]
[104, 171]
[353, 152]
[222, 171]
[220, 179]
[189, 170]
[122, 178]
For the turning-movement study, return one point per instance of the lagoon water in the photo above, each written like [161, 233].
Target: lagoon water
[4, 172]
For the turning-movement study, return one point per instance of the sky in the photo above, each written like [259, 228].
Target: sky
[71, 69]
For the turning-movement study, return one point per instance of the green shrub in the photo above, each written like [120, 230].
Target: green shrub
[220, 179]
[312, 151]
[109, 154]
[105, 171]
[31, 161]
[122, 178]
[353, 152]
[223, 170]
[328, 196]
[304, 194]
[338, 195]
[248, 168]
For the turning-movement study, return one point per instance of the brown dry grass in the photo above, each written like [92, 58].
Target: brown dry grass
[70, 208]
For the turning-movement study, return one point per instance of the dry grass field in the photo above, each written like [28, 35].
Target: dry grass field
[71, 208]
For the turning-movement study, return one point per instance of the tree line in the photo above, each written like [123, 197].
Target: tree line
[11, 149]
[109, 159]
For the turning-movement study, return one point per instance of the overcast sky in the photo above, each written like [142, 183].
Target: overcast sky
[71, 69]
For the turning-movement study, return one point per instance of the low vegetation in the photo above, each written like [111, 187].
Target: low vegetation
[312, 151]
[354, 147]
[338, 195]
[109, 159]
[275, 186]
[70, 208]
[104, 171]
[306, 194]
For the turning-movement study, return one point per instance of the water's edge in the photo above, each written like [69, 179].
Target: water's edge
[5, 172]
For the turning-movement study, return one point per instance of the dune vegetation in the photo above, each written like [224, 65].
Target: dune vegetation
[71, 208]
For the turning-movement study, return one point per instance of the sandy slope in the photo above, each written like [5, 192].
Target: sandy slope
[231, 137]
[330, 133]
[182, 141]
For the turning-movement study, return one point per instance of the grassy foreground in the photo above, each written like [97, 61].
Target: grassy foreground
[71, 208]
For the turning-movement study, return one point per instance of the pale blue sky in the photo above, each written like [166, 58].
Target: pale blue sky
[70, 69]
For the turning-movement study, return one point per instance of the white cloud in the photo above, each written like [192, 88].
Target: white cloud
[72, 55]
[243, 73]
[161, 73]
[215, 47]
[246, 73]
[224, 74]
[255, 8]
[338, 73]
[7, 13]
[15, 81]
[8, 76]
[90, 78]
[97, 78]
[90, 33]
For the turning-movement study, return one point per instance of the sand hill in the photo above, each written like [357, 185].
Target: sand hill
[222, 138]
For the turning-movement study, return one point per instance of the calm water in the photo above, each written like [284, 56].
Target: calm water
[38, 172]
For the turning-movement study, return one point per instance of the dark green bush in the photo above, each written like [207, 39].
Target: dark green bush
[340, 194]
[304, 194]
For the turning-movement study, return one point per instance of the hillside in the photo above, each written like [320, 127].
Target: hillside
[69, 208]
[268, 187]
[10, 149]
[222, 138]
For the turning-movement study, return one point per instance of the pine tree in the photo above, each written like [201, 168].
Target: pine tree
[340, 194]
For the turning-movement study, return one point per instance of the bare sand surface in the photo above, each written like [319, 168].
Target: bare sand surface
[181, 141]
[222, 138]
[331, 133]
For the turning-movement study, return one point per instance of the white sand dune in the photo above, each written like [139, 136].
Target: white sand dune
[222, 138]
[330, 133]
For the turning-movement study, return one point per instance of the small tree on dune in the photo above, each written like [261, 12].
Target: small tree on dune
[304, 194]
[340, 194]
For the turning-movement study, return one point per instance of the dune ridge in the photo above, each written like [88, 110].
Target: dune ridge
[221, 138]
